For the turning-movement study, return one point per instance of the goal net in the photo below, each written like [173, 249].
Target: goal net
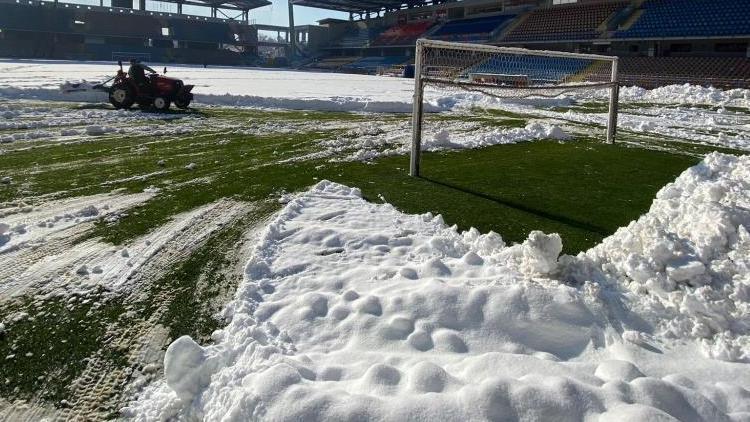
[506, 73]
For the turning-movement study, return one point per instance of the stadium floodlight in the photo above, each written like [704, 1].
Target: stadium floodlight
[507, 72]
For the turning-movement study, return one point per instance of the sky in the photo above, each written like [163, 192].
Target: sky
[278, 14]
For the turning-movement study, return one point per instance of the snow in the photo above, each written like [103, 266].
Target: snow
[533, 131]
[670, 112]
[354, 310]
[93, 264]
[278, 88]
[26, 226]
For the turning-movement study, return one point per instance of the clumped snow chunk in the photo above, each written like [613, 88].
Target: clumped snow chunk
[354, 310]
[185, 367]
[96, 130]
[191, 166]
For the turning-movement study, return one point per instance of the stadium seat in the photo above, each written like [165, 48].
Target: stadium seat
[472, 30]
[372, 64]
[690, 18]
[193, 30]
[564, 22]
[403, 34]
[357, 37]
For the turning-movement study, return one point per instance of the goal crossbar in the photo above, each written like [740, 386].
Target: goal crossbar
[509, 70]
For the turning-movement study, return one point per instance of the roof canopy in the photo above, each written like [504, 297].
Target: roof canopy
[359, 6]
[225, 4]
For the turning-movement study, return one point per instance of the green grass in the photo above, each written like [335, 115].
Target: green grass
[583, 190]
[49, 349]
[195, 284]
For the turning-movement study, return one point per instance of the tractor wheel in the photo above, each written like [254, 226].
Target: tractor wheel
[182, 103]
[161, 104]
[121, 96]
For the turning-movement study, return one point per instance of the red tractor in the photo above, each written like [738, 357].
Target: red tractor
[157, 91]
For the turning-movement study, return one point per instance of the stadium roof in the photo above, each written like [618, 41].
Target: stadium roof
[358, 6]
[239, 4]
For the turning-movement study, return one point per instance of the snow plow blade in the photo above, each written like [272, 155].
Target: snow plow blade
[84, 86]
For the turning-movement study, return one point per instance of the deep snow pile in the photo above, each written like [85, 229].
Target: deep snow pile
[353, 310]
[689, 256]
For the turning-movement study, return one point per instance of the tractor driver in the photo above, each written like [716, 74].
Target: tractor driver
[137, 71]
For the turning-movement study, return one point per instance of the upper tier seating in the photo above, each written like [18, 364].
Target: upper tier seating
[357, 37]
[371, 64]
[120, 25]
[195, 30]
[44, 19]
[690, 18]
[564, 22]
[473, 29]
[403, 34]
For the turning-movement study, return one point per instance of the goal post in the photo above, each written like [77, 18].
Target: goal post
[506, 72]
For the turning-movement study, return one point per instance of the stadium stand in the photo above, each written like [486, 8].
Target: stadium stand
[373, 64]
[539, 71]
[357, 37]
[564, 22]
[109, 24]
[403, 33]
[698, 41]
[34, 29]
[690, 18]
[332, 63]
[45, 19]
[473, 29]
[201, 31]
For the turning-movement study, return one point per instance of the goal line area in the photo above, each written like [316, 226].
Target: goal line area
[506, 72]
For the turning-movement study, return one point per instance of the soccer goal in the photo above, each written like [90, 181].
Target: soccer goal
[507, 73]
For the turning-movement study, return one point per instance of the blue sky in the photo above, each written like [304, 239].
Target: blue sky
[278, 14]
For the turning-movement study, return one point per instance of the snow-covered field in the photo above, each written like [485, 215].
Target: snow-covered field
[355, 311]
[698, 114]
[351, 310]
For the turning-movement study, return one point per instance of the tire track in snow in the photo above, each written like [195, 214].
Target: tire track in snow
[101, 388]
[37, 245]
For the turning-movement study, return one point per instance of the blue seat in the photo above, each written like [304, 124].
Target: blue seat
[686, 18]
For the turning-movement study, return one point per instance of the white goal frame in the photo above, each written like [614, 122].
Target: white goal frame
[420, 80]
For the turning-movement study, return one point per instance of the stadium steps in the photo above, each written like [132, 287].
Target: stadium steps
[631, 20]
[511, 27]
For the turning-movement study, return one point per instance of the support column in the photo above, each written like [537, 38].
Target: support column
[179, 8]
[292, 35]
[142, 5]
